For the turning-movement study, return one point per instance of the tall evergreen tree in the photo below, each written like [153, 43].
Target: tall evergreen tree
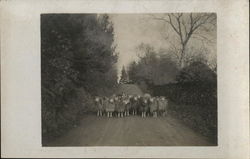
[124, 76]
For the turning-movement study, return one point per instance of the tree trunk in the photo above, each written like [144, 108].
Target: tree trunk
[182, 58]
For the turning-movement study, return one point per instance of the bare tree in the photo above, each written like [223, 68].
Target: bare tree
[188, 25]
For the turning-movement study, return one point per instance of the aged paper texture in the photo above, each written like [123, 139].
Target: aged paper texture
[21, 67]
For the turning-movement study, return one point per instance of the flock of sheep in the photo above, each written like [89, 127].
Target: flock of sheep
[125, 105]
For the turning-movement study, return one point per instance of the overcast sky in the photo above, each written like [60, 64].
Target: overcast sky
[130, 30]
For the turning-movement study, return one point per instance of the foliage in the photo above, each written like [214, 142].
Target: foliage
[201, 119]
[194, 98]
[195, 72]
[77, 61]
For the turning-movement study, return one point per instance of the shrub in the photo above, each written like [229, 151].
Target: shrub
[194, 98]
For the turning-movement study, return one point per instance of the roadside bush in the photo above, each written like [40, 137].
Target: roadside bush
[62, 115]
[199, 118]
[193, 98]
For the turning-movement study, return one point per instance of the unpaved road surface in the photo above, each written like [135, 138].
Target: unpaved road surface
[130, 131]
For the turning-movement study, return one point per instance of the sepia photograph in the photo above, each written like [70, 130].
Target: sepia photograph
[124, 79]
[129, 79]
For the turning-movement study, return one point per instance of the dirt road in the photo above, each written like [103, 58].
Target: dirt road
[130, 131]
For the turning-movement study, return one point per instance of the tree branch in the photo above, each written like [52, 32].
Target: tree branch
[171, 23]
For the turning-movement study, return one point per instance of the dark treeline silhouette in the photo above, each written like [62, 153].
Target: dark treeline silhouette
[77, 61]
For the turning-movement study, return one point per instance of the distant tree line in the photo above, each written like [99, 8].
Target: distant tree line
[77, 61]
